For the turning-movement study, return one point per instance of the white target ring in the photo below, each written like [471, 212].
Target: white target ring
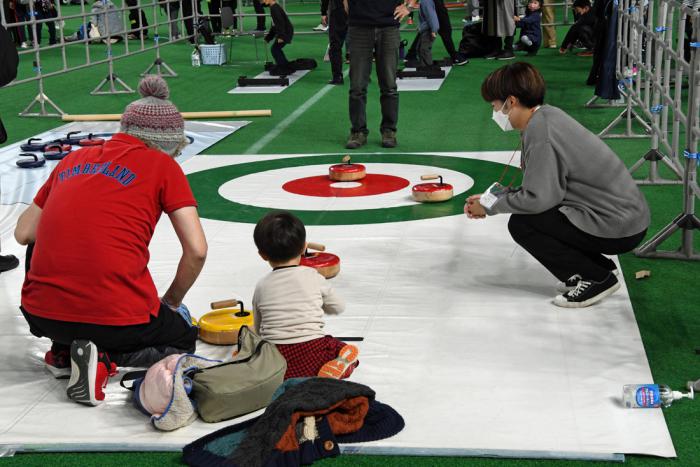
[264, 189]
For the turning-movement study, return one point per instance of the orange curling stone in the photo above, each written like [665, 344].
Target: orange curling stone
[347, 171]
[221, 326]
[327, 264]
[432, 192]
[91, 141]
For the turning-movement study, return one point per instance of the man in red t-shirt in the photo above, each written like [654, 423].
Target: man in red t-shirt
[88, 287]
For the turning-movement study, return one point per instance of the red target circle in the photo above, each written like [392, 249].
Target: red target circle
[322, 186]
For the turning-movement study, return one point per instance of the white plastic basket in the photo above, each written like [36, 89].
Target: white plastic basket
[213, 54]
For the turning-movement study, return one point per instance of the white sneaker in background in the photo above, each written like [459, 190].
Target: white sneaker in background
[321, 27]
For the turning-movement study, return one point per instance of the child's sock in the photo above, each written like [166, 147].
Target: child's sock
[336, 368]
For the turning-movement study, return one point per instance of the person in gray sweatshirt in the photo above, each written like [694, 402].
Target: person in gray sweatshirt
[427, 32]
[577, 200]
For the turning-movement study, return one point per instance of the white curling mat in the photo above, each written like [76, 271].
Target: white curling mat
[459, 334]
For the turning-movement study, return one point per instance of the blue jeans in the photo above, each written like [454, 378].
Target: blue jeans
[382, 44]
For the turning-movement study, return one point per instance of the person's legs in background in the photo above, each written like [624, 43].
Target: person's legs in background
[361, 55]
[425, 49]
[549, 32]
[387, 57]
[337, 32]
[260, 20]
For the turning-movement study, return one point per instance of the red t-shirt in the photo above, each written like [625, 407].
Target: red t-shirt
[100, 206]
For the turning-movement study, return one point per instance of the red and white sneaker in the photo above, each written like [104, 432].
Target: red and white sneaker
[338, 367]
[90, 372]
[58, 363]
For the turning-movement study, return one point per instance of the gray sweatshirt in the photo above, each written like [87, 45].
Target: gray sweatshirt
[566, 165]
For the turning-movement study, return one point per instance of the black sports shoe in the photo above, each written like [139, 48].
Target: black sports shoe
[337, 81]
[492, 55]
[506, 55]
[588, 292]
[568, 284]
[460, 60]
[8, 262]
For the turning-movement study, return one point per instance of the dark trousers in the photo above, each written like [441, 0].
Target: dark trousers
[383, 45]
[278, 54]
[51, 25]
[445, 33]
[133, 345]
[187, 12]
[134, 16]
[259, 10]
[337, 32]
[215, 9]
[564, 249]
[165, 334]
[425, 48]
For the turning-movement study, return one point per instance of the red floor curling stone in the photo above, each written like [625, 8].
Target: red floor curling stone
[347, 171]
[432, 192]
[327, 264]
[91, 141]
[57, 151]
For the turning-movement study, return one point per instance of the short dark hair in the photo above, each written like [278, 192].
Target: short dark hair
[519, 79]
[280, 236]
[581, 4]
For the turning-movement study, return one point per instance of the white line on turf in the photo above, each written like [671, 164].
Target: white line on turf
[284, 124]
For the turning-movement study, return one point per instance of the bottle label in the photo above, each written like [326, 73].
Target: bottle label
[648, 396]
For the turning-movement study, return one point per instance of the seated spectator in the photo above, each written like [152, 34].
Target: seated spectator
[530, 28]
[289, 303]
[581, 34]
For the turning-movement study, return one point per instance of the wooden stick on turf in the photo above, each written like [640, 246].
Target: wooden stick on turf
[185, 115]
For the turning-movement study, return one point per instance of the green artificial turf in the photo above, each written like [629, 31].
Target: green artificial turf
[667, 305]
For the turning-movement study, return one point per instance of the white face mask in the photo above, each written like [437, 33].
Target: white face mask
[501, 119]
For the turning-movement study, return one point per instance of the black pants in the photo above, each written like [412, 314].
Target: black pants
[337, 32]
[215, 9]
[445, 33]
[134, 15]
[382, 44]
[425, 49]
[564, 249]
[187, 15]
[259, 10]
[278, 53]
[133, 345]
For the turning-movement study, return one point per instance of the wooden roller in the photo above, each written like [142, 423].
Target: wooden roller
[185, 115]
[327, 264]
[221, 326]
[347, 171]
[432, 192]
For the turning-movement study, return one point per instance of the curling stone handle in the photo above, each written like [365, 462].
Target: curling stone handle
[429, 177]
[225, 304]
[315, 246]
[346, 159]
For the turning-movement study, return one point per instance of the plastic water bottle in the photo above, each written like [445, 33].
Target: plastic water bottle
[196, 58]
[649, 396]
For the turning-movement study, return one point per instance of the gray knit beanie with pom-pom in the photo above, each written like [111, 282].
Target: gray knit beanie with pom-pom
[154, 119]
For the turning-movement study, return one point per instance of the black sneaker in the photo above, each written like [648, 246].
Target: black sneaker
[569, 284]
[492, 55]
[506, 55]
[337, 81]
[388, 139]
[460, 60]
[8, 262]
[356, 140]
[588, 292]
